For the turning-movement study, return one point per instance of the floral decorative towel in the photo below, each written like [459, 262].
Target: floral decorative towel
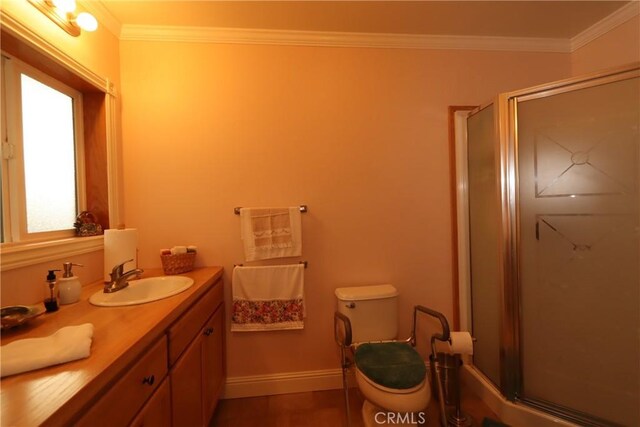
[271, 232]
[268, 298]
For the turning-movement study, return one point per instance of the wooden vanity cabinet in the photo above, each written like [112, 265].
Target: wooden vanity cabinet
[119, 405]
[177, 381]
[158, 365]
[198, 374]
[186, 388]
[157, 411]
[213, 363]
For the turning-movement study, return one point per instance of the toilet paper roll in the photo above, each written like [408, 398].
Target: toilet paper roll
[460, 343]
[120, 246]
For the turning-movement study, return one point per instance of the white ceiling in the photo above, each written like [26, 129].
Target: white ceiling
[545, 19]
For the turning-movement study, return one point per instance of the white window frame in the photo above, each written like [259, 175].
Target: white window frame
[14, 190]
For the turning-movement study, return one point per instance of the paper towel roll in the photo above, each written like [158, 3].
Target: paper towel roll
[460, 343]
[120, 246]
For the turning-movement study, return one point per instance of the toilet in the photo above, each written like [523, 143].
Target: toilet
[391, 375]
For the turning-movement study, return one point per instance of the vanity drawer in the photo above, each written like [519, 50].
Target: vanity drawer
[119, 405]
[188, 326]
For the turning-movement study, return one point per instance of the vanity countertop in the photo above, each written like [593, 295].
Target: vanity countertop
[54, 395]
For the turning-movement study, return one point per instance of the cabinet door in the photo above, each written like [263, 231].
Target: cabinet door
[119, 405]
[213, 366]
[186, 387]
[187, 328]
[157, 411]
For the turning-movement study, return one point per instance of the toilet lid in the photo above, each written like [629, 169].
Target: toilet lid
[391, 364]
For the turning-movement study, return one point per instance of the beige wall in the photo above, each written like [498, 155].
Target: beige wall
[99, 52]
[360, 135]
[27, 285]
[619, 46]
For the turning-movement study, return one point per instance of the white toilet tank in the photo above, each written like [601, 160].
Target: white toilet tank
[372, 310]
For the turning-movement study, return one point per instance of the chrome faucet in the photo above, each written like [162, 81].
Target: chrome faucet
[120, 280]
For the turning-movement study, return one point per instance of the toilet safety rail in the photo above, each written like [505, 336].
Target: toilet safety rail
[444, 336]
[344, 338]
[344, 343]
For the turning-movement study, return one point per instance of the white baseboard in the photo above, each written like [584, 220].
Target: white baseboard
[290, 382]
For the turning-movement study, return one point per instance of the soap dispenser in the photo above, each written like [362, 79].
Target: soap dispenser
[69, 286]
[51, 300]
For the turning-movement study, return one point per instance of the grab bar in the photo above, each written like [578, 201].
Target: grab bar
[444, 336]
[344, 359]
[443, 322]
[337, 316]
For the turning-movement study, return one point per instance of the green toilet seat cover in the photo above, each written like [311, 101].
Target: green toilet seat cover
[391, 364]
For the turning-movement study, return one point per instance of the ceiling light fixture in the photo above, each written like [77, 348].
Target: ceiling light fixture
[62, 12]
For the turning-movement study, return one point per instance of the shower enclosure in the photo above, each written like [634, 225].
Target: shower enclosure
[554, 248]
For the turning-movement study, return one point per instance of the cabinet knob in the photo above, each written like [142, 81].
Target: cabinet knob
[208, 331]
[149, 379]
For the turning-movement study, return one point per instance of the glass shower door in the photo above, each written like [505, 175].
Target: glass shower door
[579, 252]
[484, 242]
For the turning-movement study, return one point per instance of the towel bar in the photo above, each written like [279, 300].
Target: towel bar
[306, 263]
[303, 209]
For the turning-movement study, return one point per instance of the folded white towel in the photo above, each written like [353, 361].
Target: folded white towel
[67, 344]
[268, 298]
[271, 232]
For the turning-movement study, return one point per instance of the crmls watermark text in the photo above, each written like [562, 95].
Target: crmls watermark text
[404, 418]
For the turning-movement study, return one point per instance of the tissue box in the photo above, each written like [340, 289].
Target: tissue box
[178, 263]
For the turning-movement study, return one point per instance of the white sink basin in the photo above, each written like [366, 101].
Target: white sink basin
[143, 291]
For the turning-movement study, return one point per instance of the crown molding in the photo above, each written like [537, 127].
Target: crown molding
[605, 25]
[338, 39]
[347, 39]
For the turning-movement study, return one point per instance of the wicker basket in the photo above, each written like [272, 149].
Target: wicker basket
[178, 263]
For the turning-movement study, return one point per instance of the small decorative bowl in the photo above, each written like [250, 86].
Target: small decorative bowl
[16, 315]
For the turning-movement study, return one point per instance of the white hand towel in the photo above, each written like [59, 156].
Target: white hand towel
[67, 344]
[271, 232]
[268, 298]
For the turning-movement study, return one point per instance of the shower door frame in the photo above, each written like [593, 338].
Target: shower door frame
[506, 106]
